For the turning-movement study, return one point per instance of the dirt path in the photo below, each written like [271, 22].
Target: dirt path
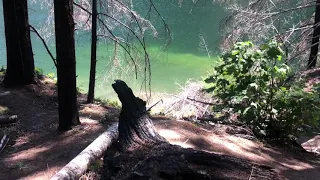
[36, 150]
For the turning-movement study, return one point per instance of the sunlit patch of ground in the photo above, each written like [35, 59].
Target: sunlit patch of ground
[188, 135]
[312, 145]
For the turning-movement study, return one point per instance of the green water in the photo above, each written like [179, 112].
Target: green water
[181, 61]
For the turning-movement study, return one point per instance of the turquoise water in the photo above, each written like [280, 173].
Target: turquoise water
[181, 61]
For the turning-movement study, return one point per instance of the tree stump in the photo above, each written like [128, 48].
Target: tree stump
[146, 155]
[135, 127]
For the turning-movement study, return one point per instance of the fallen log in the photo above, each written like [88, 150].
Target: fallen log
[76, 167]
[8, 119]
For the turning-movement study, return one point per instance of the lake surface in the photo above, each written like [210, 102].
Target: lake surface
[182, 60]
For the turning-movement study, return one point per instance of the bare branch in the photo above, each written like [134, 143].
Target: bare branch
[44, 43]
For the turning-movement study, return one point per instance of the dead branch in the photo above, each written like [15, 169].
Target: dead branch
[148, 109]
[3, 142]
[44, 43]
[202, 102]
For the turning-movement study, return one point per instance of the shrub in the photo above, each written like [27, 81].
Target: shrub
[2, 69]
[250, 81]
[51, 75]
[39, 73]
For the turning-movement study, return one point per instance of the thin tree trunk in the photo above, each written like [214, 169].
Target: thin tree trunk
[20, 62]
[312, 62]
[92, 80]
[135, 127]
[66, 64]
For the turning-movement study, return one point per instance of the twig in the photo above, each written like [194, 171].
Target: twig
[3, 143]
[251, 173]
[154, 105]
[202, 102]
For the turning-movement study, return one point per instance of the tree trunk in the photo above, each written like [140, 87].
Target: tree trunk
[92, 80]
[135, 127]
[312, 62]
[66, 64]
[20, 62]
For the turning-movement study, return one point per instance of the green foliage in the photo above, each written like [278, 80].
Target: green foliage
[108, 102]
[51, 75]
[78, 89]
[2, 70]
[39, 72]
[250, 82]
[3, 110]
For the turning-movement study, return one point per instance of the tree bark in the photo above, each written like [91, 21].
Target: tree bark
[312, 62]
[135, 127]
[20, 62]
[92, 80]
[66, 64]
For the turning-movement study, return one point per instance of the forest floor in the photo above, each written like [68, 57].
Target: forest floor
[36, 149]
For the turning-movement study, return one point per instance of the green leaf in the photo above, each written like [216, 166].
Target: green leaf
[254, 105]
[274, 111]
[279, 58]
[283, 88]
[254, 85]
[246, 110]
[235, 52]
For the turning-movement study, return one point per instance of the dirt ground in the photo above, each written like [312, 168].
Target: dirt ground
[292, 164]
[36, 149]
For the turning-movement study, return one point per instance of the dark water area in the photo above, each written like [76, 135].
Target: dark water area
[183, 59]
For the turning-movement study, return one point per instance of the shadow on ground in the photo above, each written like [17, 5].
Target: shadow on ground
[293, 165]
[36, 149]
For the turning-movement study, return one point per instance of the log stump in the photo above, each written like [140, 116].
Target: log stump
[135, 127]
